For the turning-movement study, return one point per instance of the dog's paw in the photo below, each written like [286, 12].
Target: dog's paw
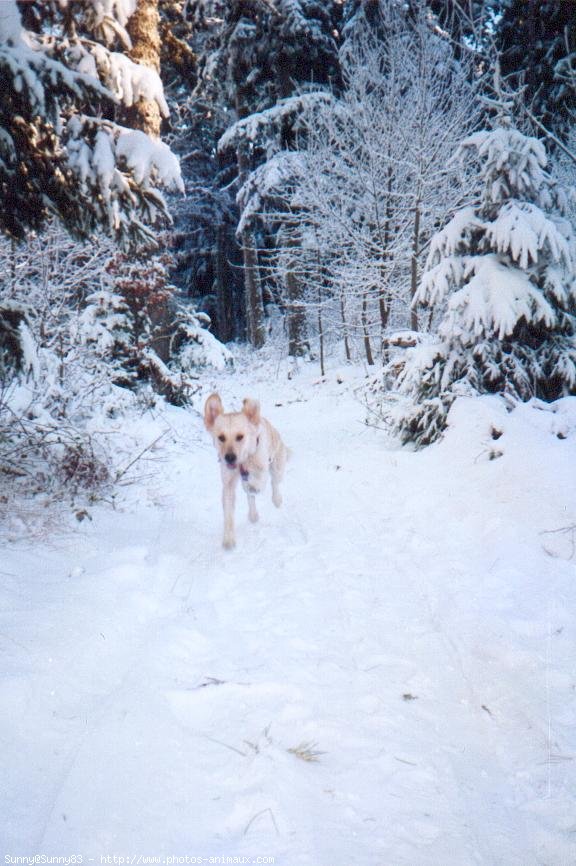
[277, 499]
[253, 516]
[229, 543]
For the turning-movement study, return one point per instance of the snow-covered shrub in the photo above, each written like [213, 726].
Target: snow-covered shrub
[45, 442]
[104, 329]
[502, 274]
[137, 323]
[50, 388]
[41, 452]
[193, 346]
[17, 348]
[80, 327]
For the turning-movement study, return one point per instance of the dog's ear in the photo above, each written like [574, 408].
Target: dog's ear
[251, 409]
[212, 409]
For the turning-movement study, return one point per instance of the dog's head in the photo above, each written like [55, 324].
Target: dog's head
[235, 433]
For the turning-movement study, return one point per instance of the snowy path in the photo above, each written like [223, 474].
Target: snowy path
[399, 614]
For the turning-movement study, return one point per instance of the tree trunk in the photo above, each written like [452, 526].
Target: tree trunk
[13, 264]
[162, 320]
[255, 328]
[383, 301]
[224, 299]
[296, 311]
[321, 331]
[414, 267]
[143, 29]
[345, 329]
[320, 285]
[296, 317]
[367, 345]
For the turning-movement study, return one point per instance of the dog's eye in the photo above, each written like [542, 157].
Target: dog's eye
[222, 438]
[240, 437]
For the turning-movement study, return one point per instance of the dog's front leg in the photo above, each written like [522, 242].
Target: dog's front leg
[252, 510]
[228, 503]
[276, 477]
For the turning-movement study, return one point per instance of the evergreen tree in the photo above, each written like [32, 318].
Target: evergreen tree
[503, 273]
[208, 265]
[262, 51]
[536, 42]
[137, 327]
[62, 151]
[261, 54]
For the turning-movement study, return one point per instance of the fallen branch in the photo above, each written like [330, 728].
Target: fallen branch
[121, 472]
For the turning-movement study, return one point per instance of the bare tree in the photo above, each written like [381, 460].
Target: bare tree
[374, 176]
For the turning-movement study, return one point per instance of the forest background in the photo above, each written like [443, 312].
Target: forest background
[328, 171]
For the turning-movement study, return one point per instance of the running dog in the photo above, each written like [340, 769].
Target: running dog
[249, 448]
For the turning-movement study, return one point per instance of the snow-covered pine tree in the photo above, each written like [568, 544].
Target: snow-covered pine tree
[262, 195]
[125, 326]
[61, 150]
[536, 43]
[563, 169]
[208, 261]
[261, 54]
[504, 274]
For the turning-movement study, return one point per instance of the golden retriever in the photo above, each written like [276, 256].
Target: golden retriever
[249, 448]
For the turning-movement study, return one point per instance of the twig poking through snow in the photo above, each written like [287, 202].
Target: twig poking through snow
[257, 815]
[226, 746]
[306, 752]
[122, 472]
[570, 533]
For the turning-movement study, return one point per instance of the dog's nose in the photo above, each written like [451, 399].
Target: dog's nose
[230, 458]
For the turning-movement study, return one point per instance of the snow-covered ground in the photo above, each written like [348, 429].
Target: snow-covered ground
[410, 616]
